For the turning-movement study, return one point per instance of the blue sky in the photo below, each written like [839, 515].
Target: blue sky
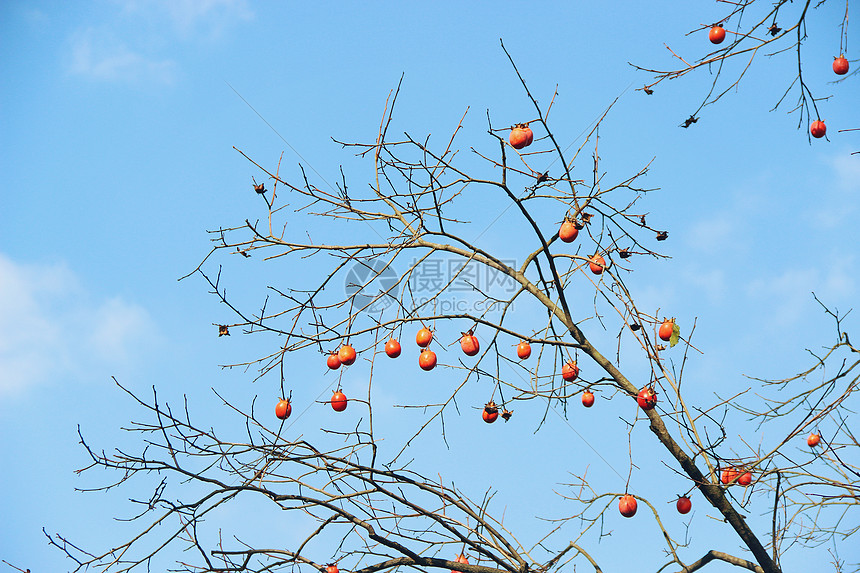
[116, 156]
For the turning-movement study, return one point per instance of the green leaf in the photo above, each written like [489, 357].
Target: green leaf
[676, 335]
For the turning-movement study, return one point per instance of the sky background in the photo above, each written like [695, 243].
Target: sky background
[118, 122]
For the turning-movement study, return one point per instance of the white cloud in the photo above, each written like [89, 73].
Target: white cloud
[97, 55]
[847, 169]
[724, 228]
[838, 198]
[788, 294]
[206, 16]
[114, 329]
[191, 19]
[712, 282]
[35, 17]
[125, 45]
[51, 329]
[716, 234]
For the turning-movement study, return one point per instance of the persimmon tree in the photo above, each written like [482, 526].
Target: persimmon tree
[754, 33]
[356, 255]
